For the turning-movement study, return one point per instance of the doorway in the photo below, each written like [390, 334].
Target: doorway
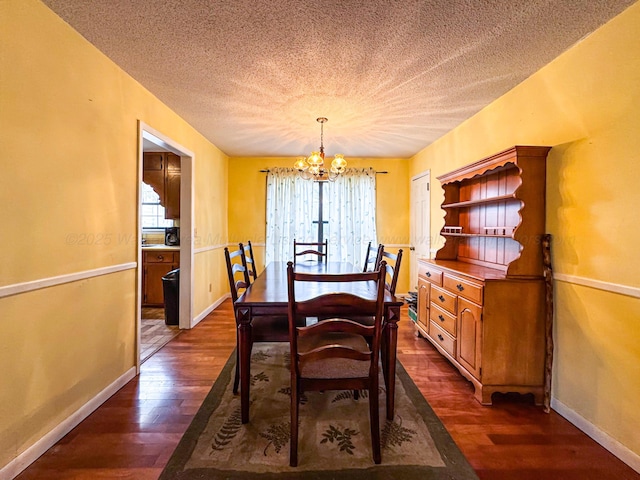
[150, 139]
[420, 223]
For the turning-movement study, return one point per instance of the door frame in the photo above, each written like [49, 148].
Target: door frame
[187, 157]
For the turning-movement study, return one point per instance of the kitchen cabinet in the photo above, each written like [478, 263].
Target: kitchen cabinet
[161, 170]
[485, 310]
[156, 264]
[172, 187]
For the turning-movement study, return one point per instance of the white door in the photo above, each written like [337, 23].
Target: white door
[420, 225]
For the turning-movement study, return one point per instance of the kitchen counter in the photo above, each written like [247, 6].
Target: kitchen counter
[160, 246]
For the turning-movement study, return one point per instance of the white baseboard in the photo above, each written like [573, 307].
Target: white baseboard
[26, 458]
[615, 447]
[198, 318]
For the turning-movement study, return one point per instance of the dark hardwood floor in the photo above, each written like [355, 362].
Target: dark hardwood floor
[134, 433]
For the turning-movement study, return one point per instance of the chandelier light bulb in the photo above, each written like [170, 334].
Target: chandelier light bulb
[301, 164]
[315, 159]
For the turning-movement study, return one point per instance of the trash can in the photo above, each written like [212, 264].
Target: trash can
[171, 291]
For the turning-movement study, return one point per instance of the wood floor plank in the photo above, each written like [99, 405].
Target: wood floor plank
[132, 435]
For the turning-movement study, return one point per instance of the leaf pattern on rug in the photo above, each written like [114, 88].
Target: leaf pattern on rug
[278, 435]
[259, 356]
[259, 377]
[287, 391]
[348, 395]
[394, 434]
[227, 432]
[343, 439]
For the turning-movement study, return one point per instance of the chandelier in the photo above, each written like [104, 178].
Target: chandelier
[313, 168]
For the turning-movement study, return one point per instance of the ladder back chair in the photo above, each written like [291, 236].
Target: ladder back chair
[251, 262]
[392, 269]
[319, 249]
[333, 354]
[265, 328]
[237, 271]
[373, 257]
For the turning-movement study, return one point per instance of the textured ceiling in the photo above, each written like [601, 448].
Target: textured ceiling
[391, 76]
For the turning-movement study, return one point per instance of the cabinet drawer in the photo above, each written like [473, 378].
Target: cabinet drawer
[446, 341]
[463, 288]
[433, 275]
[158, 257]
[443, 299]
[443, 319]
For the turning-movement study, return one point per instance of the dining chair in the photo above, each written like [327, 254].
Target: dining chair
[392, 269]
[389, 263]
[319, 249]
[264, 328]
[251, 262]
[373, 257]
[333, 354]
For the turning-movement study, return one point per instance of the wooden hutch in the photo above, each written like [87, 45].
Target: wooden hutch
[481, 301]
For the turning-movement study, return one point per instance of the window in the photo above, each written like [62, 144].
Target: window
[342, 212]
[320, 210]
[152, 210]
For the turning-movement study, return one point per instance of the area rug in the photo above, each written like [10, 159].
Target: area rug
[334, 438]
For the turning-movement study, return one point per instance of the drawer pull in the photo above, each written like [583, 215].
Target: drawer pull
[441, 318]
[460, 287]
[441, 298]
[441, 338]
[428, 274]
[160, 257]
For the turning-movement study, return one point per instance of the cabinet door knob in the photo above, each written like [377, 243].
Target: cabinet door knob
[441, 318]
[428, 274]
[441, 298]
[441, 338]
[460, 287]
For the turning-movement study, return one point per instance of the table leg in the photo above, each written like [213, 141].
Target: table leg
[390, 345]
[384, 354]
[244, 349]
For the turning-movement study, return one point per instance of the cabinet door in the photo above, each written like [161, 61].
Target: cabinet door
[153, 172]
[469, 336]
[172, 187]
[424, 289]
[153, 273]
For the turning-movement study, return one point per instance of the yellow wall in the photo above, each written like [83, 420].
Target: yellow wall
[585, 105]
[68, 189]
[68, 130]
[247, 211]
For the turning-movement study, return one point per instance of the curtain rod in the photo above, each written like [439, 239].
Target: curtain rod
[267, 171]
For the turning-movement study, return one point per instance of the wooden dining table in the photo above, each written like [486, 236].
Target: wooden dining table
[268, 295]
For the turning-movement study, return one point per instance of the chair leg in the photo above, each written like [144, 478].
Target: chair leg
[374, 420]
[293, 441]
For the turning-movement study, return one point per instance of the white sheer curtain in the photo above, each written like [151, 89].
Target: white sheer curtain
[289, 213]
[349, 207]
[352, 215]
